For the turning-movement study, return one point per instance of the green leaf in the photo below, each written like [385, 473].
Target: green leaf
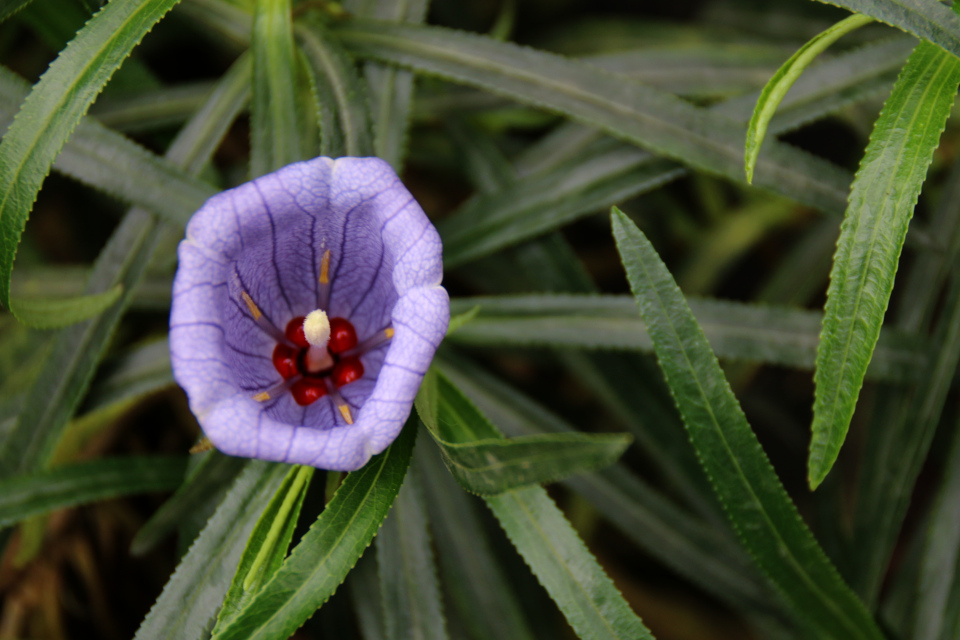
[327, 552]
[926, 19]
[214, 475]
[76, 350]
[54, 108]
[391, 89]
[884, 194]
[662, 123]
[739, 331]
[151, 109]
[267, 545]
[10, 7]
[896, 453]
[689, 545]
[410, 595]
[784, 78]
[586, 596]
[189, 602]
[22, 497]
[570, 173]
[114, 164]
[337, 79]
[938, 592]
[54, 313]
[487, 464]
[461, 319]
[573, 578]
[758, 506]
[471, 572]
[275, 129]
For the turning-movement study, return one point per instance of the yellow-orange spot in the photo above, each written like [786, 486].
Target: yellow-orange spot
[262, 397]
[203, 445]
[388, 332]
[251, 305]
[345, 412]
[325, 268]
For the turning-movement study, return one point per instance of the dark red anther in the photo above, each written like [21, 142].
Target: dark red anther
[285, 361]
[342, 336]
[308, 390]
[347, 370]
[294, 332]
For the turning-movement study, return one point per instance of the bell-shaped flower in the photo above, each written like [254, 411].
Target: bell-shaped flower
[307, 307]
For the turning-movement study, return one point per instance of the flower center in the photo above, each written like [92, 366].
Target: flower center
[319, 356]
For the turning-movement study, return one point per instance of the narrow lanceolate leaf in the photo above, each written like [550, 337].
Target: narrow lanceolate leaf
[926, 19]
[275, 132]
[10, 7]
[759, 508]
[54, 108]
[268, 543]
[783, 79]
[938, 597]
[337, 80]
[391, 89]
[472, 575]
[884, 194]
[189, 602]
[77, 349]
[214, 475]
[659, 122]
[412, 606]
[556, 555]
[24, 496]
[490, 466]
[738, 331]
[54, 313]
[114, 164]
[318, 565]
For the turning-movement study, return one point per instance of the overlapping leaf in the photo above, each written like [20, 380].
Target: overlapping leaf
[657, 121]
[54, 109]
[320, 562]
[586, 596]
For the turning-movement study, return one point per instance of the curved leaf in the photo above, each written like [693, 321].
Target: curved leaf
[783, 79]
[757, 504]
[54, 108]
[884, 194]
[22, 497]
[54, 313]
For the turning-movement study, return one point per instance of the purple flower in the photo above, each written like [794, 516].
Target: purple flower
[343, 237]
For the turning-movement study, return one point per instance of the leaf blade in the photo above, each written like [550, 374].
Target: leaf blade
[759, 508]
[775, 90]
[22, 497]
[54, 108]
[318, 565]
[882, 199]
